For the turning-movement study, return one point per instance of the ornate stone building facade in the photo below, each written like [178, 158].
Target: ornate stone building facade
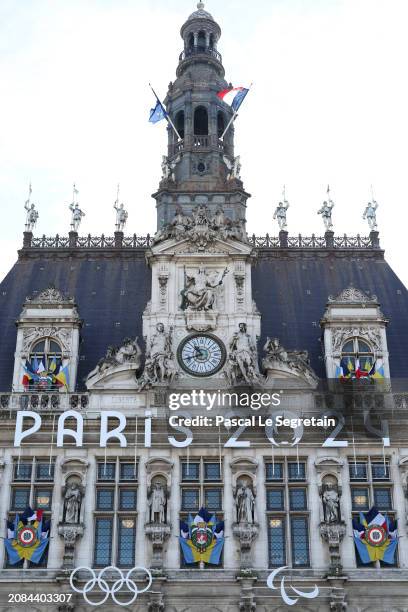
[133, 322]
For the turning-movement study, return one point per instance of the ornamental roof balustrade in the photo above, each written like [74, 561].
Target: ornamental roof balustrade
[283, 241]
[42, 401]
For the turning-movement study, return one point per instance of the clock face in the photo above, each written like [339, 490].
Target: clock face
[201, 354]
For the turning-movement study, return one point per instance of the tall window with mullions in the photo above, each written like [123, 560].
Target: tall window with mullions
[115, 513]
[287, 513]
[201, 486]
[32, 487]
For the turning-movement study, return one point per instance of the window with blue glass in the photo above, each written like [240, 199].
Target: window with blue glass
[297, 499]
[116, 513]
[276, 542]
[105, 499]
[382, 498]
[212, 471]
[128, 471]
[22, 471]
[103, 541]
[190, 499]
[126, 542]
[300, 541]
[274, 471]
[127, 499]
[287, 513]
[275, 499]
[358, 470]
[213, 499]
[20, 498]
[44, 471]
[296, 470]
[106, 471]
[380, 470]
[190, 471]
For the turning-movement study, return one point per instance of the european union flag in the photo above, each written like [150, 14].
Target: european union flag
[157, 113]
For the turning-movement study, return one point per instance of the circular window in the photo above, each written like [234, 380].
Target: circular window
[201, 167]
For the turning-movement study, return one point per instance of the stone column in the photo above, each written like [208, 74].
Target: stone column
[173, 554]
[260, 547]
[374, 238]
[73, 236]
[118, 240]
[27, 238]
[141, 515]
[283, 238]
[329, 237]
[230, 560]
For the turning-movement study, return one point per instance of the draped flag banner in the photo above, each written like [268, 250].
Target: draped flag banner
[234, 96]
[45, 376]
[375, 537]
[27, 537]
[354, 370]
[202, 538]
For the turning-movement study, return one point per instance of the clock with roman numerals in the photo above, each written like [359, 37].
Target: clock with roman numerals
[201, 354]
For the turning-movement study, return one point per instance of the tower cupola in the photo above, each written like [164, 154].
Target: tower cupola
[200, 34]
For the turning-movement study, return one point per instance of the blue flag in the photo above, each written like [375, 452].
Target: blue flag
[157, 113]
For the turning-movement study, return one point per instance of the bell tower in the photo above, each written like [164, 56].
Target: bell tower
[200, 167]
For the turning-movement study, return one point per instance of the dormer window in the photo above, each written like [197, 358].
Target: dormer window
[44, 365]
[46, 355]
[357, 359]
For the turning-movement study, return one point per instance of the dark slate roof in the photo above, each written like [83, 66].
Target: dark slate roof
[96, 283]
[290, 292]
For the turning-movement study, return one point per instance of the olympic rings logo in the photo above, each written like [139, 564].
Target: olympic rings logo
[104, 586]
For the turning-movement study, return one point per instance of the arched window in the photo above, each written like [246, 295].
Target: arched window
[191, 40]
[201, 40]
[357, 358]
[180, 123]
[211, 41]
[45, 362]
[200, 121]
[220, 124]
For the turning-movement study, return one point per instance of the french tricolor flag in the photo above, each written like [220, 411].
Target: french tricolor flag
[234, 96]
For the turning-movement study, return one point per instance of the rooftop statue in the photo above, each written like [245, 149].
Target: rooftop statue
[280, 214]
[370, 213]
[121, 214]
[32, 213]
[326, 211]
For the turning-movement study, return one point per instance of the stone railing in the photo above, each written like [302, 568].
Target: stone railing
[42, 402]
[328, 241]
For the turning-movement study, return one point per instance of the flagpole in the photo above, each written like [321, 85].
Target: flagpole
[166, 114]
[234, 116]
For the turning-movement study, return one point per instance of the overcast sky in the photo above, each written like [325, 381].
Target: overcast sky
[329, 105]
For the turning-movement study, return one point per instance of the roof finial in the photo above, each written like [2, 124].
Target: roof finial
[200, 5]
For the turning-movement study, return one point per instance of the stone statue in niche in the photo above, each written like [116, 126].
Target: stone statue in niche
[200, 289]
[244, 503]
[370, 213]
[72, 502]
[331, 503]
[242, 358]
[157, 503]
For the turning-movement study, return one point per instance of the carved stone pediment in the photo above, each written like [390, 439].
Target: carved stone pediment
[118, 366]
[51, 295]
[61, 334]
[351, 295]
[341, 334]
